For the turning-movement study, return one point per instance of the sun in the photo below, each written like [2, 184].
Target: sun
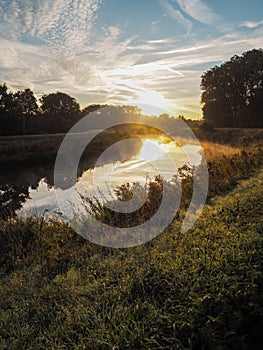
[151, 103]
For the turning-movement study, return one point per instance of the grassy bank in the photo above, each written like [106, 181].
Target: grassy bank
[40, 149]
[30, 149]
[200, 290]
[235, 137]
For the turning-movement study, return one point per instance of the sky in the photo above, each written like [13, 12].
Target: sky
[149, 52]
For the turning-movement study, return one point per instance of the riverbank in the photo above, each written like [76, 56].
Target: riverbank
[202, 289]
[42, 149]
[234, 137]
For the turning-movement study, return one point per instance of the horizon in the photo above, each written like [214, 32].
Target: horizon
[122, 53]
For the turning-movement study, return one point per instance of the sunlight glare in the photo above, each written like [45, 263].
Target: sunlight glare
[151, 150]
[151, 103]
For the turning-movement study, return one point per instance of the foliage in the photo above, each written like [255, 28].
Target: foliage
[224, 174]
[121, 110]
[233, 93]
[21, 102]
[154, 191]
[6, 99]
[59, 103]
[200, 290]
[207, 126]
[25, 102]
[21, 115]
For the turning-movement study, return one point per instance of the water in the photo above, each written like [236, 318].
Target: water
[32, 190]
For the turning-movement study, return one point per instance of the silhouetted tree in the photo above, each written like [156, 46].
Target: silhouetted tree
[25, 102]
[233, 93]
[92, 108]
[7, 102]
[59, 103]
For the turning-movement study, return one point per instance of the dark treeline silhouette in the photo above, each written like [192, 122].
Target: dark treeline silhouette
[20, 114]
[233, 93]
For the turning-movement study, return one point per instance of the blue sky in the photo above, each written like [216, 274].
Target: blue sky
[122, 51]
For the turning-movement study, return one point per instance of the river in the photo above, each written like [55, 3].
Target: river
[31, 190]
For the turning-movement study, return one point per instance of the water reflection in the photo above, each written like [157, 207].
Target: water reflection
[31, 190]
[16, 185]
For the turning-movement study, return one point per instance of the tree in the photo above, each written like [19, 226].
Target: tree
[233, 93]
[59, 103]
[18, 103]
[7, 103]
[25, 102]
[93, 108]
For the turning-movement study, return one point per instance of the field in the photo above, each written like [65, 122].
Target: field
[199, 290]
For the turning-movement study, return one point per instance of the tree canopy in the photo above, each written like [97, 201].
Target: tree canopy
[233, 92]
[25, 102]
[59, 103]
[56, 112]
[21, 102]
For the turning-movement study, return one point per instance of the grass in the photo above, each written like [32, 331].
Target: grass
[29, 150]
[39, 149]
[235, 137]
[200, 290]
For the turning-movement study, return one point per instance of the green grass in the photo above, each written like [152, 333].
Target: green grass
[200, 290]
[235, 137]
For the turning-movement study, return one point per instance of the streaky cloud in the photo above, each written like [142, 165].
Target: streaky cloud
[251, 24]
[177, 15]
[199, 11]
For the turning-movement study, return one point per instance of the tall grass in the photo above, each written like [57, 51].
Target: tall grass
[200, 290]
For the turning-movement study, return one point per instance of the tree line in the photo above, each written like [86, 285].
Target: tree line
[233, 92]
[25, 103]
[232, 96]
[21, 114]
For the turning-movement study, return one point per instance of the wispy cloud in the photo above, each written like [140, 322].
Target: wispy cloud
[176, 15]
[57, 24]
[56, 45]
[121, 71]
[251, 24]
[155, 22]
[199, 11]
[43, 40]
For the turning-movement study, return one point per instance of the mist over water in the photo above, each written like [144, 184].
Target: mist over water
[101, 180]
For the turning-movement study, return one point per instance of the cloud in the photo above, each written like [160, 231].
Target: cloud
[177, 15]
[199, 11]
[67, 51]
[251, 24]
[161, 41]
[122, 71]
[57, 24]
